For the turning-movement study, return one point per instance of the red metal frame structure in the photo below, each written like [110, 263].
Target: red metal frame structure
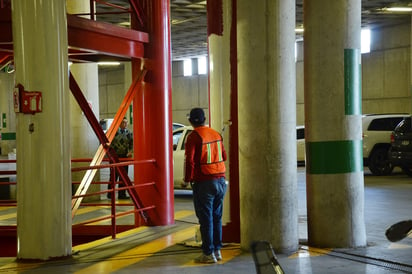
[92, 41]
[105, 145]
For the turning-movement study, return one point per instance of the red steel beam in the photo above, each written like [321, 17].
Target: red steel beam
[105, 38]
[98, 38]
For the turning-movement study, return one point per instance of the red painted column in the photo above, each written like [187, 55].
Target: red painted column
[152, 116]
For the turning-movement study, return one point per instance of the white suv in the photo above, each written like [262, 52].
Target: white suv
[376, 132]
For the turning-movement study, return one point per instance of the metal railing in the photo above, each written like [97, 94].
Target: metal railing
[99, 216]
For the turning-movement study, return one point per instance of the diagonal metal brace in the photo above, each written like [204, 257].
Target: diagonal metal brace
[105, 141]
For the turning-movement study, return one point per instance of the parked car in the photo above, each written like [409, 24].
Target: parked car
[177, 125]
[400, 153]
[105, 124]
[179, 140]
[376, 132]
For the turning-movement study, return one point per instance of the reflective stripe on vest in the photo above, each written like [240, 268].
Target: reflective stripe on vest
[211, 161]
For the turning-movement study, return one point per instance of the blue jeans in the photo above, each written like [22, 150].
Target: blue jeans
[208, 202]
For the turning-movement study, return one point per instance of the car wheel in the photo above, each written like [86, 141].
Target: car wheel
[407, 170]
[379, 163]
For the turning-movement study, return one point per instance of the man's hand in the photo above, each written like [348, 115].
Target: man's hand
[184, 184]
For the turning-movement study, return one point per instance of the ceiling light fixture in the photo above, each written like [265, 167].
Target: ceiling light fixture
[399, 9]
[124, 24]
[108, 63]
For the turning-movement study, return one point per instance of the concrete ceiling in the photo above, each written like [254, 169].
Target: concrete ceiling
[189, 24]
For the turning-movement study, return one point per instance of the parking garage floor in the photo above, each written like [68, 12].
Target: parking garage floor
[172, 249]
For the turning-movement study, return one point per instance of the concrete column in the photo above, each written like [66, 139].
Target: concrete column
[127, 82]
[332, 69]
[267, 123]
[219, 31]
[195, 67]
[7, 117]
[43, 143]
[84, 142]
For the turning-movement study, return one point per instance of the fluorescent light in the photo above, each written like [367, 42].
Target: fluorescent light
[202, 65]
[108, 63]
[187, 67]
[365, 40]
[299, 30]
[399, 9]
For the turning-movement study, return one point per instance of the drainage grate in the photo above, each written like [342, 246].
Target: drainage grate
[362, 259]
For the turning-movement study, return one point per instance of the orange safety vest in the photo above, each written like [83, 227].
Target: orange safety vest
[211, 160]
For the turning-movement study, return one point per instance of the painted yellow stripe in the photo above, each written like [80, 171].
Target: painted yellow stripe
[139, 253]
[183, 214]
[178, 215]
[15, 267]
[88, 209]
[8, 216]
[227, 255]
[79, 212]
[307, 251]
[109, 239]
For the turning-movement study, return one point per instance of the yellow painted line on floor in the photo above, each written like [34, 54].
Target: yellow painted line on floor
[183, 214]
[88, 209]
[109, 239]
[178, 215]
[135, 255]
[79, 212]
[227, 255]
[16, 267]
[399, 246]
[8, 216]
[308, 251]
[7, 207]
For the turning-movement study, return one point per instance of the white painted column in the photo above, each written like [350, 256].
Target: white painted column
[267, 123]
[8, 125]
[220, 85]
[84, 142]
[334, 170]
[44, 227]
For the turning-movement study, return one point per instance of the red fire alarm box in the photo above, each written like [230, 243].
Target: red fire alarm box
[27, 101]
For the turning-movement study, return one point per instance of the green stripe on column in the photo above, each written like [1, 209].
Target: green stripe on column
[333, 157]
[352, 65]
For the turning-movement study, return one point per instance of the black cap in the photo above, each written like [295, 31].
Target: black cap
[197, 116]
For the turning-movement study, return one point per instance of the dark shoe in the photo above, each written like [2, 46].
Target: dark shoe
[109, 196]
[123, 197]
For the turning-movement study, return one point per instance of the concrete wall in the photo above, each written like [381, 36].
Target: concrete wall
[187, 92]
[112, 89]
[386, 71]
